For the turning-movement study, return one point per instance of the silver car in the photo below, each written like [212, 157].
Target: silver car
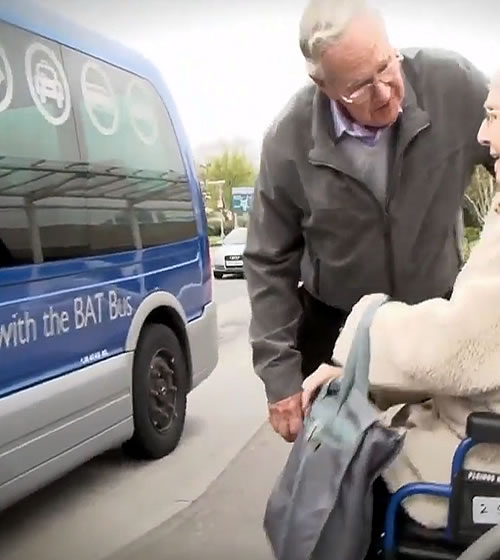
[228, 256]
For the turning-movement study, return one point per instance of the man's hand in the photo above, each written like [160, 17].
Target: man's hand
[286, 417]
[312, 384]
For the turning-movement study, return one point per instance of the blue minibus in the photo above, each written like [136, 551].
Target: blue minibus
[107, 319]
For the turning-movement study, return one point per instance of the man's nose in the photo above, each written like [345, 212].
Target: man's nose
[382, 92]
[482, 135]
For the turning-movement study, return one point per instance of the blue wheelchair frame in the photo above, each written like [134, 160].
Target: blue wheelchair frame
[423, 488]
[482, 427]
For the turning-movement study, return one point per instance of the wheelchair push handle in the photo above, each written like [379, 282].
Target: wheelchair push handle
[484, 427]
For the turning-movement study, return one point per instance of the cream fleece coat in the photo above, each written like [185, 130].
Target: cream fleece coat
[448, 351]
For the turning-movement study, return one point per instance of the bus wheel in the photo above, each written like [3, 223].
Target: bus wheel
[159, 393]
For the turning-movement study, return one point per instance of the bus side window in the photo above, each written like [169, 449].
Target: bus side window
[38, 144]
[109, 174]
[121, 118]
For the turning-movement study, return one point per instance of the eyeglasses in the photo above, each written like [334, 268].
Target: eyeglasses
[491, 115]
[385, 76]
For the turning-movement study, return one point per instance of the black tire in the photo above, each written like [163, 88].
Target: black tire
[218, 275]
[159, 393]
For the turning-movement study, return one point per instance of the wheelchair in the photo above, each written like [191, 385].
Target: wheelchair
[473, 508]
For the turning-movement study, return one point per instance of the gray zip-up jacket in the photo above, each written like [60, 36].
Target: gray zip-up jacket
[312, 220]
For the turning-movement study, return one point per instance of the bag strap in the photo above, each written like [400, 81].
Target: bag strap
[357, 366]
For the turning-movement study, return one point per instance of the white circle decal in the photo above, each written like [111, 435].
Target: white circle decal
[99, 99]
[142, 116]
[6, 81]
[48, 84]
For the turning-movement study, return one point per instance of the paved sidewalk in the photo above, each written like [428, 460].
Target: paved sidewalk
[226, 522]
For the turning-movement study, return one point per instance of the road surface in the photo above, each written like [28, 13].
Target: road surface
[112, 502]
[226, 522]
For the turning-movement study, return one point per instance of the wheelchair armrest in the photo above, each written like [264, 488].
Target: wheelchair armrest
[484, 427]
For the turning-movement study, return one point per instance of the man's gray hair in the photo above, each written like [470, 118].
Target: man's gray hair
[323, 23]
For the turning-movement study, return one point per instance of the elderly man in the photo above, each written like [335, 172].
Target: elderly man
[360, 188]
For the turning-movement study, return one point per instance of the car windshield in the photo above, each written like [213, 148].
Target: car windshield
[236, 237]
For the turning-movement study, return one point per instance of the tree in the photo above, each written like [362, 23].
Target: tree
[479, 195]
[232, 167]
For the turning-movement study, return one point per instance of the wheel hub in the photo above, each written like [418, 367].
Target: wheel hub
[163, 391]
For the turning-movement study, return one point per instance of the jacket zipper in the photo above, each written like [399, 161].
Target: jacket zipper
[385, 220]
[389, 253]
[384, 210]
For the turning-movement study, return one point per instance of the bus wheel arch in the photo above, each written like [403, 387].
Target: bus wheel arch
[169, 317]
[161, 308]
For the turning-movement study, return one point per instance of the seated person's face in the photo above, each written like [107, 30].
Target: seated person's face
[489, 133]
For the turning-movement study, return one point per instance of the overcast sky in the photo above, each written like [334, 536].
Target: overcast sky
[232, 64]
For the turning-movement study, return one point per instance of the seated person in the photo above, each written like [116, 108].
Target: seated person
[437, 361]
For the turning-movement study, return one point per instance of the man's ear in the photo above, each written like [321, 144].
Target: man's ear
[318, 82]
[322, 85]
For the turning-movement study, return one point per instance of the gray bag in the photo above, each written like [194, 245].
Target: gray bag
[321, 506]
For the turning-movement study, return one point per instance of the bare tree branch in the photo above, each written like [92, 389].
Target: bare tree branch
[480, 194]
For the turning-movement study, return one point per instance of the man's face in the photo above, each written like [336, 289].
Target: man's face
[363, 73]
[489, 133]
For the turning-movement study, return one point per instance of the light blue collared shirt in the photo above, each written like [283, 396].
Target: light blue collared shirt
[344, 125]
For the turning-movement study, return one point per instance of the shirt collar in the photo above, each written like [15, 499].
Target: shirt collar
[345, 125]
